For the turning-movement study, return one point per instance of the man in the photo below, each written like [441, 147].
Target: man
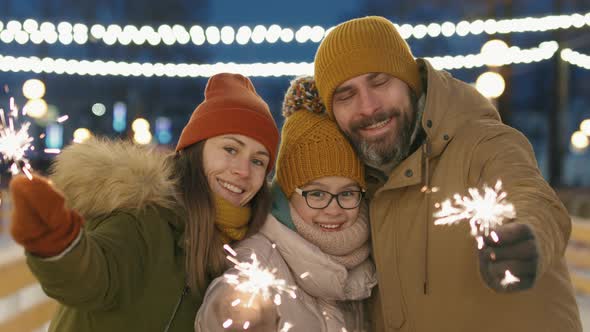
[416, 129]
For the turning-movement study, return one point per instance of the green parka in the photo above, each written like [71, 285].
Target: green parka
[126, 271]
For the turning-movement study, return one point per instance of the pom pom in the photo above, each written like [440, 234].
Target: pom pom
[303, 94]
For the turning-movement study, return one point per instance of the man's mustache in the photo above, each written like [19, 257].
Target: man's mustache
[377, 117]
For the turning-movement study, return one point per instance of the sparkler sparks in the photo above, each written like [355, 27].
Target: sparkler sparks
[286, 327]
[14, 142]
[484, 212]
[52, 151]
[509, 278]
[256, 280]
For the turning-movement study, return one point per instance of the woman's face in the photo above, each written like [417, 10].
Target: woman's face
[235, 166]
[332, 218]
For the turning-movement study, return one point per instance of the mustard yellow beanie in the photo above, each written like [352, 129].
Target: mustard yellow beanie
[370, 44]
[312, 146]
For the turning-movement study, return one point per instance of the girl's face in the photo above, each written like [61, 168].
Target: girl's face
[333, 217]
[235, 166]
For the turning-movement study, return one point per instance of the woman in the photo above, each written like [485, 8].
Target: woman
[135, 239]
[317, 237]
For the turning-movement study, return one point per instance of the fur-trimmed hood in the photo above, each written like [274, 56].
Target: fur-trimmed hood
[103, 175]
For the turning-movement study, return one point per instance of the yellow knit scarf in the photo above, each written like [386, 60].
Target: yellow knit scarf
[231, 221]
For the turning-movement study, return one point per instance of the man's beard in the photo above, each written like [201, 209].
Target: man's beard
[388, 150]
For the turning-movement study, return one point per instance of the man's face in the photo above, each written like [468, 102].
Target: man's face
[376, 113]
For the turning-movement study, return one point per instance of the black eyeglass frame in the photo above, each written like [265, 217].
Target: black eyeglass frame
[304, 193]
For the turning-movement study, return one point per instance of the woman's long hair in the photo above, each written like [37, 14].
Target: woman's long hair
[205, 256]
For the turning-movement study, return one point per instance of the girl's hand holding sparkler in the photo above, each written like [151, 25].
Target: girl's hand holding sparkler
[41, 222]
[256, 293]
[238, 312]
[510, 247]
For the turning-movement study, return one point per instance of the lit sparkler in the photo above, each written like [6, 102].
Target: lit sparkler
[256, 280]
[484, 212]
[14, 142]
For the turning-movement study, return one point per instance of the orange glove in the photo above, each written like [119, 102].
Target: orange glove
[40, 221]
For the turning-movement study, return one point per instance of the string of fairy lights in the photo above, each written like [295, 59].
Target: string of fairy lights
[576, 58]
[69, 32]
[60, 66]
[493, 54]
[66, 33]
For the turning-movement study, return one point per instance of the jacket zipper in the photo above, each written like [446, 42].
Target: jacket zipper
[426, 151]
[182, 295]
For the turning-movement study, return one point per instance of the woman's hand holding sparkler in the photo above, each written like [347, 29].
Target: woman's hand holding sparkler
[510, 247]
[41, 222]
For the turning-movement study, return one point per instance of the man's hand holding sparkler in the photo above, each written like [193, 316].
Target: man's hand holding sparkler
[510, 247]
[508, 252]
[41, 222]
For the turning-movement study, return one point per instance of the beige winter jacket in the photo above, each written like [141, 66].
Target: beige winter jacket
[327, 299]
[428, 275]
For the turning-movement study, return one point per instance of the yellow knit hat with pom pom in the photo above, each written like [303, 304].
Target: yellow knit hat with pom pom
[312, 146]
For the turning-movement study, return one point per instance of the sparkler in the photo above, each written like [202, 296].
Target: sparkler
[256, 280]
[14, 142]
[484, 212]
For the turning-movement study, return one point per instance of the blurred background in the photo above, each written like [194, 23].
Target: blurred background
[136, 70]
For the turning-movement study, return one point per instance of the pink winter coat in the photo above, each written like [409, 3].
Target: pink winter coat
[328, 299]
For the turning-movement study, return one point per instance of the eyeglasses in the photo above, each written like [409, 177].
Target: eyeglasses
[320, 199]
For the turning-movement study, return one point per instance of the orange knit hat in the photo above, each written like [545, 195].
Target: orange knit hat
[231, 106]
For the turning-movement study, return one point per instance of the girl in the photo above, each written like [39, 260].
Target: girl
[126, 240]
[317, 237]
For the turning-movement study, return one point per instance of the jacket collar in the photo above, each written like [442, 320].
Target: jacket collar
[449, 105]
[407, 173]
[100, 176]
[280, 206]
